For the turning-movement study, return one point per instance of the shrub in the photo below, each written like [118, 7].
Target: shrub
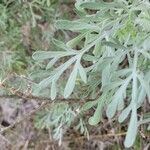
[110, 55]
[104, 67]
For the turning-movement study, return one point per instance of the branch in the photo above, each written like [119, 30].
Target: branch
[28, 96]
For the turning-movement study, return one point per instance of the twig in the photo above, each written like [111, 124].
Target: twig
[18, 93]
[40, 99]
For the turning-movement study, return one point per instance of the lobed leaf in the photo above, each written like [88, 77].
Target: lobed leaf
[82, 73]
[75, 25]
[132, 129]
[71, 83]
[42, 55]
[53, 90]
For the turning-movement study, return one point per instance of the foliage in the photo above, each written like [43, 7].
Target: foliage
[113, 43]
[58, 117]
[21, 30]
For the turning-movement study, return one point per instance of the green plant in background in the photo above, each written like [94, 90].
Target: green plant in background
[23, 24]
[113, 37]
[23, 31]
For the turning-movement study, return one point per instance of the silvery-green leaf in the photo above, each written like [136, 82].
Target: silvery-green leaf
[44, 83]
[55, 74]
[146, 44]
[106, 75]
[73, 42]
[89, 105]
[141, 96]
[48, 2]
[58, 71]
[111, 109]
[148, 128]
[80, 11]
[144, 121]
[114, 45]
[112, 85]
[71, 83]
[53, 90]
[82, 73]
[41, 55]
[75, 25]
[88, 57]
[121, 104]
[63, 46]
[143, 22]
[97, 48]
[52, 62]
[95, 119]
[119, 95]
[124, 114]
[145, 85]
[122, 72]
[90, 38]
[132, 129]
